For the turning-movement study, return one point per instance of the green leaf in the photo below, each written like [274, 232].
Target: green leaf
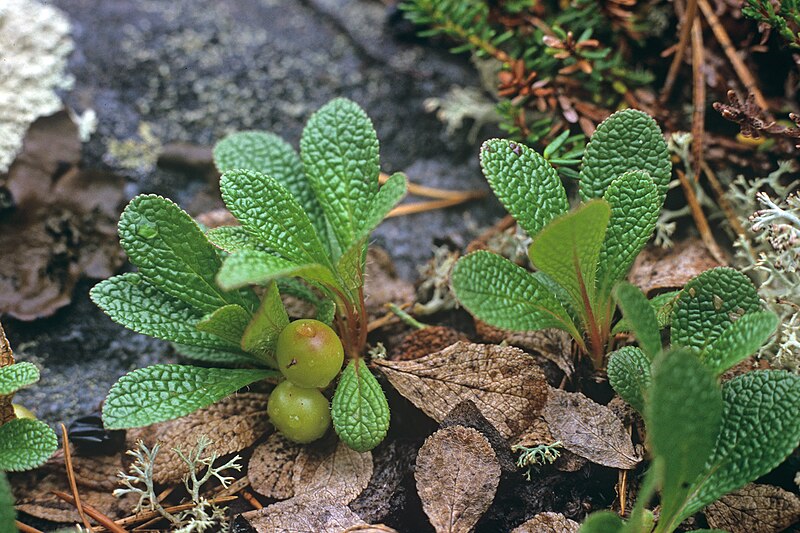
[227, 322]
[627, 140]
[217, 356]
[173, 253]
[253, 267]
[233, 239]
[359, 408]
[740, 340]
[131, 301]
[568, 249]
[506, 295]
[635, 204]
[14, 377]
[662, 305]
[629, 374]
[708, 304]
[388, 196]
[683, 414]
[339, 149]
[270, 213]
[641, 316]
[25, 444]
[262, 332]
[268, 154]
[8, 514]
[163, 392]
[602, 522]
[526, 184]
[350, 266]
[761, 427]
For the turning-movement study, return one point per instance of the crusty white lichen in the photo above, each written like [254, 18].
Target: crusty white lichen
[34, 45]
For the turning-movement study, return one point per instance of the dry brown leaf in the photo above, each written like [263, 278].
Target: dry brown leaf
[306, 513]
[62, 223]
[331, 469]
[548, 523]
[661, 269]
[232, 424]
[96, 477]
[589, 429]
[270, 467]
[504, 382]
[370, 528]
[539, 433]
[554, 345]
[755, 509]
[457, 476]
[421, 342]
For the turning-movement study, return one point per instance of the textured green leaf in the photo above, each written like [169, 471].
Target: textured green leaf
[8, 514]
[227, 322]
[269, 212]
[388, 196]
[627, 140]
[568, 250]
[602, 522]
[683, 414]
[25, 444]
[253, 267]
[662, 305]
[268, 154]
[350, 266]
[359, 408]
[14, 377]
[339, 149]
[641, 316]
[217, 356]
[761, 427]
[136, 304]
[526, 184]
[629, 374]
[506, 295]
[262, 332]
[173, 253]
[163, 392]
[740, 340]
[708, 304]
[233, 239]
[635, 204]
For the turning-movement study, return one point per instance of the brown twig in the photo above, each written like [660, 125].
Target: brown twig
[101, 519]
[73, 485]
[700, 218]
[434, 192]
[251, 499]
[730, 51]
[25, 528]
[698, 97]
[677, 59]
[149, 515]
[722, 200]
[431, 205]
[622, 484]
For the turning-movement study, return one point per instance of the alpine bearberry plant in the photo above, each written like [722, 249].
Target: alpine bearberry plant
[706, 440]
[305, 223]
[579, 255]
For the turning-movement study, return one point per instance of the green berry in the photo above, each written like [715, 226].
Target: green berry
[309, 353]
[301, 415]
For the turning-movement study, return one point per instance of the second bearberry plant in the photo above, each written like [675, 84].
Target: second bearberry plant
[304, 216]
[579, 255]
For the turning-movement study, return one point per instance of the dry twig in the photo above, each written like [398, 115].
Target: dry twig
[101, 519]
[73, 485]
[698, 97]
[677, 59]
[700, 218]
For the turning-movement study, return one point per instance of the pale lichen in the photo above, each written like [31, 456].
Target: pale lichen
[34, 45]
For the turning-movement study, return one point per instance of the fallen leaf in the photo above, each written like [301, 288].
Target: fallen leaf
[96, 477]
[662, 269]
[554, 345]
[369, 528]
[539, 433]
[331, 469]
[421, 342]
[754, 509]
[589, 429]
[307, 513]
[270, 467]
[548, 523]
[232, 424]
[504, 382]
[62, 223]
[457, 476]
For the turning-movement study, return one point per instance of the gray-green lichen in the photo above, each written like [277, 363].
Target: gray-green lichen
[34, 45]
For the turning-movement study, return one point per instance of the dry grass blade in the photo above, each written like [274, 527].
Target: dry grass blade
[25, 528]
[149, 515]
[677, 59]
[698, 97]
[442, 198]
[722, 200]
[73, 485]
[101, 519]
[700, 219]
